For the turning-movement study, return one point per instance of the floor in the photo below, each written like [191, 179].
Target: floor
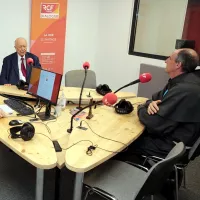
[17, 180]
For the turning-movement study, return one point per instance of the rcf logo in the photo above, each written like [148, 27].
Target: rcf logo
[49, 10]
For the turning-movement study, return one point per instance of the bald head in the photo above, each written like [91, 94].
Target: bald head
[21, 46]
[188, 58]
[181, 61]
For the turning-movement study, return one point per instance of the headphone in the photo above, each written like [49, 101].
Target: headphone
[22, 85]
[123, 107]
[103, 89]
[27, 131]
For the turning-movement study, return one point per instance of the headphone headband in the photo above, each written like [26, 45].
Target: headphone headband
[27, 131]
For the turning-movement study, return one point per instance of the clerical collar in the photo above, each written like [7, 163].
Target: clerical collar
[175, 80]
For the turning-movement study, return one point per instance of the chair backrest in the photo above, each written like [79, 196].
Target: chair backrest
[159, 80]
[159, 173]
[74, 78]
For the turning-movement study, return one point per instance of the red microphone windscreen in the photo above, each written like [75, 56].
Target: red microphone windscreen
[145, 77]
[109, 99]
[30, 61]
[86, 65]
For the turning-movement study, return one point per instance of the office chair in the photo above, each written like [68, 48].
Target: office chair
[190, 154]
[74, 78]
[159, 80]
[119, 180]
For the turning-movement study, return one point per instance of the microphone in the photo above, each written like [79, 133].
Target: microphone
[30, 62]
[86, 66]
[143, 78]
[109, 99]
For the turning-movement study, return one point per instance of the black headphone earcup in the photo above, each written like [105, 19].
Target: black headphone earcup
[103, 89]
[27, 131]
[14, 130]
[124, 107]
[130, 107]
[22, 85]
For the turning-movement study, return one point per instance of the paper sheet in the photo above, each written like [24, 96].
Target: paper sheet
[6, 109]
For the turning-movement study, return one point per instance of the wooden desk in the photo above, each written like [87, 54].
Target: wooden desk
[13, 90]
[106, 123]
[40, 151]
[58, 128]
[71, 93]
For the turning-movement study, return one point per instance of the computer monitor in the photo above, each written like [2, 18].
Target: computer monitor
[45, 85]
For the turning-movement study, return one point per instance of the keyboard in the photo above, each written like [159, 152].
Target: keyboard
[19, 107]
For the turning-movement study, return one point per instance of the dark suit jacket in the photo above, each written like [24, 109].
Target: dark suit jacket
[10, 69]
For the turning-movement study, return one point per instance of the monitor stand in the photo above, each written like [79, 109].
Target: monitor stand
[44, 116]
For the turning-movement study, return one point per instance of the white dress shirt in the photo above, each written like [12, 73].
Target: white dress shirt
[21, 77]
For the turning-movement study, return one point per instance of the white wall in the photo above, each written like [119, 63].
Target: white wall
[15, 22]
[98, 31]
[82, 33]
[113, 64]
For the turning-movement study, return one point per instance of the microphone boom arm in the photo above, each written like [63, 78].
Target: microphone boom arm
[72, 117]
[79, 105]
[133, 82]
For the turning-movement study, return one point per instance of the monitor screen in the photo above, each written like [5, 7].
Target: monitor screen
[45, 85]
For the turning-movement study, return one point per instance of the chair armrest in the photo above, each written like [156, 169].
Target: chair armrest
[152, 158]
[104, 193]
[138, 166]
[100, 192]
[155, 158]
[186, 147]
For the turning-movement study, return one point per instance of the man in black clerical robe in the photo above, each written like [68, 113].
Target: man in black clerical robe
[173, 114]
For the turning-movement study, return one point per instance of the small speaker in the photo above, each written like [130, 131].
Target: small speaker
[185, 44]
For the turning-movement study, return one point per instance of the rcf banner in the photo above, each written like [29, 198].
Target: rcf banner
[48, 28]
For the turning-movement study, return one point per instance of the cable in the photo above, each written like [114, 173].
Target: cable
[93, 147]
[103, 136]
[48, 129]
[112, 151]
[70, 102]
[44, 135]
[18, 115]
[40, 108]
[77, 143]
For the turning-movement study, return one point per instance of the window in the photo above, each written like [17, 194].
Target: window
[156, 25]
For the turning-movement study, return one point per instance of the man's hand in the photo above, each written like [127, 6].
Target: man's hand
[153, 107]
[7, 84]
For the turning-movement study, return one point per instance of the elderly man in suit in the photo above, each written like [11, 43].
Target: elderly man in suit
[14, 66]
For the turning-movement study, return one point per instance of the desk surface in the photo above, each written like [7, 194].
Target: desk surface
[40, 151]
[106, 123]
[71, 93]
